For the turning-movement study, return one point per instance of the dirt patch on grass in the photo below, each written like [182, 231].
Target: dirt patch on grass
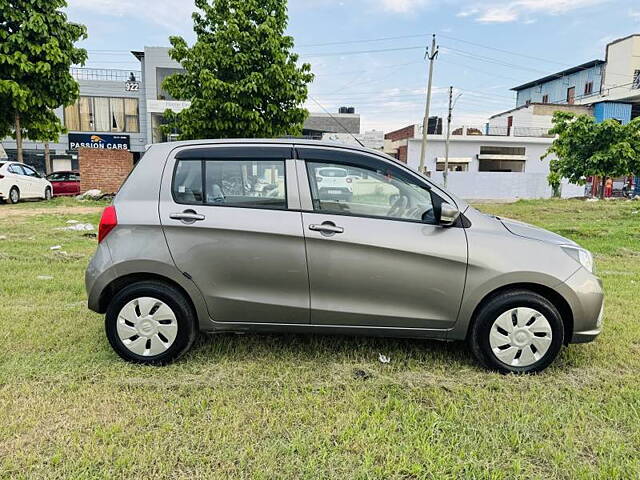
[9, 211]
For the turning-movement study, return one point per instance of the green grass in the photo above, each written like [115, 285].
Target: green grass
[308, 406]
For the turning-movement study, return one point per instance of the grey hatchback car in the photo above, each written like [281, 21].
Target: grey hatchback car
[241, 236]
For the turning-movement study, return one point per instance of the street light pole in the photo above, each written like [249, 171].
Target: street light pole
[425, 122]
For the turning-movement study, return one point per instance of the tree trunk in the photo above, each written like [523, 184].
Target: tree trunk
[47, 159]
[20, 156]
[604, 182]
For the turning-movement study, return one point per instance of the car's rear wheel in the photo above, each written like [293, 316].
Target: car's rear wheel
[150, 323]
[14, 195]
[47, 194]
[517, 332]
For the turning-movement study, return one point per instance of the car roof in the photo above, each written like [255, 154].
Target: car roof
[296, 142]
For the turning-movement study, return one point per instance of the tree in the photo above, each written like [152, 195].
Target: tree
[241, 76]
[38, 48]
[586, 148]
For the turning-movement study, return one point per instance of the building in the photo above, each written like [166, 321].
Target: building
[482, 164]
[123, 109]
[107, 115]
[608, 88]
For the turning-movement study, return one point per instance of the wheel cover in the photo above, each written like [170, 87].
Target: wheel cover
[14, 195]
[520, 337]
[147, 326]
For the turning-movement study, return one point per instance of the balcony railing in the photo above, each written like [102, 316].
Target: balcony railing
[103, 74]
[493, 131]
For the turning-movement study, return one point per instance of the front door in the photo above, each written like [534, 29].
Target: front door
[377, 258]
[232, 224]
[28, 183]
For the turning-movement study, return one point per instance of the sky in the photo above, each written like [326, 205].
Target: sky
[369, 54]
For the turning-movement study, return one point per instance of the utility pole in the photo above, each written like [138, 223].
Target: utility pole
[445, 174]
[431, 55]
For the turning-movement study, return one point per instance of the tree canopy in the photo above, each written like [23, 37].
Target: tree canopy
[37, 50]
[586, 148]
[241, 76]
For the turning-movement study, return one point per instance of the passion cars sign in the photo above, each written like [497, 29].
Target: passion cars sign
[106, 142]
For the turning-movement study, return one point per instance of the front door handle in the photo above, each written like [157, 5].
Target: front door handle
[327, 228]
[188, 216]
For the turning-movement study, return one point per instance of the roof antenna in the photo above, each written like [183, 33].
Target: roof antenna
[337, 121]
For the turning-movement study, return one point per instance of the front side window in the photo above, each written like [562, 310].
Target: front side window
[30, 172]
[231, 183]
[368, 192]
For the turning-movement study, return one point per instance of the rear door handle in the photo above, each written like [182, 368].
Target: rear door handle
[188, 216]
[327, 228]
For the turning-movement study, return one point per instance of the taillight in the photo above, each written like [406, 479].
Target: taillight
[108, 222]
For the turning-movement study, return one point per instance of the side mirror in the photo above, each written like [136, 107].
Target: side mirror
[448, 215]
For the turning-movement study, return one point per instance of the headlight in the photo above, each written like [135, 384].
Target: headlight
[580, 255]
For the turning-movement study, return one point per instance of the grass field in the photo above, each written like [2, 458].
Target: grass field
[306, 406]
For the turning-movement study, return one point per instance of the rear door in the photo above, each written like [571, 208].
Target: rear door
[231, 216]
[378, 259]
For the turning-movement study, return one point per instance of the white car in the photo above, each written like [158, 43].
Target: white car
[19, 181]
[334, 183]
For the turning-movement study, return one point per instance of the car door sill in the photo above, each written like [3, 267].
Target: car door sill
[293, 327]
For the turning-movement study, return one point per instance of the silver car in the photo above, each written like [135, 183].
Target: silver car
[234, 236]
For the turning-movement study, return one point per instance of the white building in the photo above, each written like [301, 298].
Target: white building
[489, 166]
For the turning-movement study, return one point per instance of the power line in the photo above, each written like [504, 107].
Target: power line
[350, 42]
[358, 52]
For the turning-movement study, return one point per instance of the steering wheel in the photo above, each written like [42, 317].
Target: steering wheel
[399, 207]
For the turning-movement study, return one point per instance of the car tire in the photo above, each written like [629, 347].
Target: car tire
[47, 194]
[14, 196]
[140, 334]
[518, 331]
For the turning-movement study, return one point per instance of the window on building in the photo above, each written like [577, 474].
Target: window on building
[636, 79]
[499, 150]
[103, 114]
[497, 158]
[588, 88]
[161, 74]
[571, 95]
[453, 167]
[545, 99]
[494, 165]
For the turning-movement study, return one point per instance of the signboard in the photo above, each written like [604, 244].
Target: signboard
[107, 142]
[132, 86]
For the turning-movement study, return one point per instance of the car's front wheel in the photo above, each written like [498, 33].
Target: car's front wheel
[150, 323]
[517, 332]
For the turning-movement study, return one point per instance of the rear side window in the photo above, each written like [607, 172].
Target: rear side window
[187, 182]
[232, 183]
[16, 169]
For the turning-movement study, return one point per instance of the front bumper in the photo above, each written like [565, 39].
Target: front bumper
[585, 295]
